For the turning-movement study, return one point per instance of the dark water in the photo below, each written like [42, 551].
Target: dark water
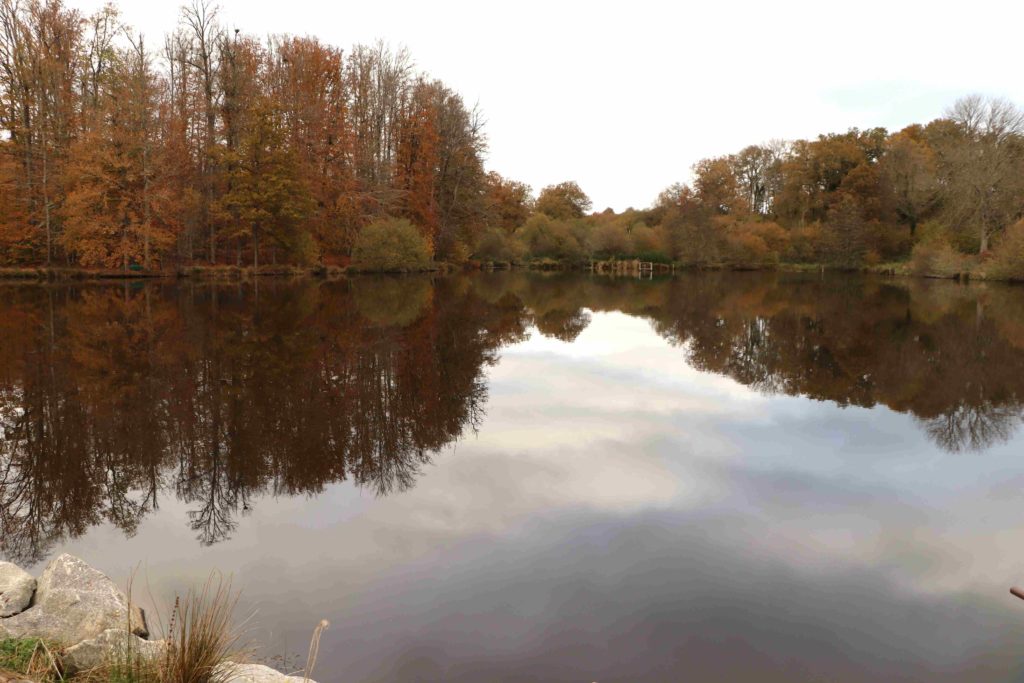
[514, 477]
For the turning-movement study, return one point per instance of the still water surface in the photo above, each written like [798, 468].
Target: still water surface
[525, 477]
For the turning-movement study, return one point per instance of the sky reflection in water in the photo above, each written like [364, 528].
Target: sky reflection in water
[649, 493]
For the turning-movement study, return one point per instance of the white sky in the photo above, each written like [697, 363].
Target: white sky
[624, 97]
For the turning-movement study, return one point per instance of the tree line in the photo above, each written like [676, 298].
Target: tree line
[948, 196]
[215, 146]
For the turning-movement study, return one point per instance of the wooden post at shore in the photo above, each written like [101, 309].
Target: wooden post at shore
[629, 267]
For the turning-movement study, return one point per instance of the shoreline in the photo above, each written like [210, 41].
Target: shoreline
[611, 267]
[72, 623]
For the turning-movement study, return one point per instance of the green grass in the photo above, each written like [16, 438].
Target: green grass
[29, 657]
[17, 655]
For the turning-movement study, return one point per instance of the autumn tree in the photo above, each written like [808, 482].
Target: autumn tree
[758, 173]
[563, 201]
[909, 169]
[39, 54]
[508, 202]
[461, 180]
[307, 82]
[983, 157]
[266, 193]
[416, 175]
[199, 41]
[715, 185]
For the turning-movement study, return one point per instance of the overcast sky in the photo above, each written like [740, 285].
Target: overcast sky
[624, 97]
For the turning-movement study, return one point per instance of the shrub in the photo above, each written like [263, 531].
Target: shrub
[805, 244]
[497, 245]
[459, 253]
[695, 243]
[610, 240]
[747, 250]
[936, 257]
[304, 250]
[844, 235]
[1008, 257]
[391, 245]
[753, 244]
[886, 241]
[651, 244]
[545, 237]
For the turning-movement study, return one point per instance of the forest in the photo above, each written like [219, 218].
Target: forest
[216, 147]
[941, 199]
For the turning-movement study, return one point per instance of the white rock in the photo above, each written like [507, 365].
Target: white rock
[113, 646]
[16, 589]
[74, 602]
[229, 672]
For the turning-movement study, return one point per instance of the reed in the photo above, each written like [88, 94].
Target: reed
[201, 635]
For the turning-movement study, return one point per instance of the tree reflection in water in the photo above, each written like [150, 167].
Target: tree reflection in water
[112, 397]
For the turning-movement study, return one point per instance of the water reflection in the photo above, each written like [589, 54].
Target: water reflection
[113, 398]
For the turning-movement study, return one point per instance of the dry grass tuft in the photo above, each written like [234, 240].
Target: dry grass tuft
[201, 634]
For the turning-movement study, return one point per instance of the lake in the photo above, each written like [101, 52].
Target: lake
[540, 477]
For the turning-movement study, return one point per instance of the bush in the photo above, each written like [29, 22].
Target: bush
[304, 249]
[497, 246]
[610, 240]
[936, 257]
[752, 244]
[696, 244]
[459, 254]
[844, 235]
[743, 249]
[651, 244]
[805, 244]
[391, 245]
[545, 237]
[1008, 257]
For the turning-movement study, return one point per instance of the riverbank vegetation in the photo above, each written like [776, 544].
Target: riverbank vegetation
[212, 148]
[98, 639]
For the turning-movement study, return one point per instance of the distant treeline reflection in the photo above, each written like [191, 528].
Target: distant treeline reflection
[114, 397]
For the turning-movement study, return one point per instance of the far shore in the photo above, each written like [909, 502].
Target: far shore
[225, 273]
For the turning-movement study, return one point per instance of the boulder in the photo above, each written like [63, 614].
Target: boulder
[113, 646]
[74, 602]
[16, 589]
[229, 672]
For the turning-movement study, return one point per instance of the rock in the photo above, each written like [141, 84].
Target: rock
[74, 602]
[229, 672]
[16, 589]
[112, 646]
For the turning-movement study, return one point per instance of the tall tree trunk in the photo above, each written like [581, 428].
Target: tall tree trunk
[255, 249]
